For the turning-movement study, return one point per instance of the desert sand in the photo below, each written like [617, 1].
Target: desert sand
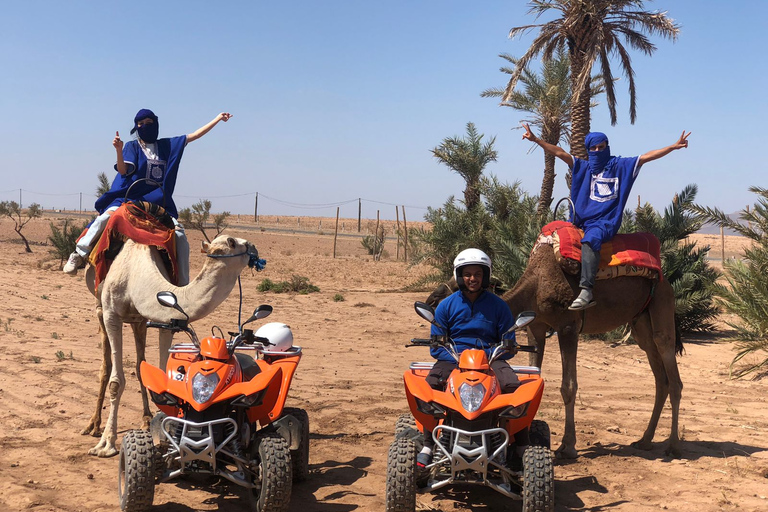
[350, 382]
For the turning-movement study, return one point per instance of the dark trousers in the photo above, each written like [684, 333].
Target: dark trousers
[589, 262]
[508, 381]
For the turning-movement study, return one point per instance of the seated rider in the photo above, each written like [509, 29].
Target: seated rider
[146, 157]
[474, 318]
[600, 187]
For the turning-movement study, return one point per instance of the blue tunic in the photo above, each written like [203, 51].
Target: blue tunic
[599, 199]
[163, 170]
[478, 324]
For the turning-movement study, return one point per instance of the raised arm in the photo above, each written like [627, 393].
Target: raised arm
[682, 142]
[118, 144]
[546, 146]
[224, 116]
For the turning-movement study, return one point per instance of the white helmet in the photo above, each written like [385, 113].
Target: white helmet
[472, 257]
[279, 335]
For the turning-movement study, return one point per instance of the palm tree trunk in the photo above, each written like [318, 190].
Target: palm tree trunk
[580, 112]
[548, 183]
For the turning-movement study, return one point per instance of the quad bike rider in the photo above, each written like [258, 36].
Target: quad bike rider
[222, 414]
[472, 421]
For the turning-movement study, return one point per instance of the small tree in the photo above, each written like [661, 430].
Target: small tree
[64, 240]
[467, 157]
[104, 184]
[13, 211]
[198, 216]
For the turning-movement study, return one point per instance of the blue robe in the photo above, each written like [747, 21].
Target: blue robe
[478, 324]
[164, 171]
[599, 199]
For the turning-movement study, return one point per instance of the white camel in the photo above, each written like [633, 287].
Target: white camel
[128, 295]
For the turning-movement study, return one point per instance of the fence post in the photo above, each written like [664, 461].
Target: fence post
[336, 233]
[376, 250]
[397, 216]
[256, 209]
[405, 237]
[722, 245]
[359, 213]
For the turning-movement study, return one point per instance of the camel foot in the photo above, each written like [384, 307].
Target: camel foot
[566, 452]
[642, 445]
[92, 430]
[145, 422]
[673, 451]
[103, 450]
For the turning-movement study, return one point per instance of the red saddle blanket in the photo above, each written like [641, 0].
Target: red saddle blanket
[632, 254]
[135, 222]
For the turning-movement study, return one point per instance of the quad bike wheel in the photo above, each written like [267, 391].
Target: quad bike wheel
[272, 454]
[300, 456]
[136, 474]
[539, 434]
[401, 476]
[538, 480]
[405, 421]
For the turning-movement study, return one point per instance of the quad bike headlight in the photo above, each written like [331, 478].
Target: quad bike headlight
[471, 396]
[203, 387]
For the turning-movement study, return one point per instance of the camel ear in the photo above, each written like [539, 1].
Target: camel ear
[231, 242]
[204, 246]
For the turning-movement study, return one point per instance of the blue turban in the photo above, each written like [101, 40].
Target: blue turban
[597, 159]
[144, 113]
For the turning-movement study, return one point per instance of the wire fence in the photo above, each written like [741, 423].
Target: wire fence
[82, 202]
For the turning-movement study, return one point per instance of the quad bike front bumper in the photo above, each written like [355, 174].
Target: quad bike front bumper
[465, 457]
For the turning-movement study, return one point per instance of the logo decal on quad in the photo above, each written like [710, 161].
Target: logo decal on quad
[230, 375]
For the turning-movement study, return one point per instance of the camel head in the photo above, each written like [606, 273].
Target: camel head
[224, 246]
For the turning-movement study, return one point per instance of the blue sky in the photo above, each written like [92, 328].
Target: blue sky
[339, 100]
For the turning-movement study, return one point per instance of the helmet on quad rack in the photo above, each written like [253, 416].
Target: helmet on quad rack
[279, 335]
[472, 257]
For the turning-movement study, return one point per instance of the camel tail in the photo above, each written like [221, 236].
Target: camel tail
[679, 349]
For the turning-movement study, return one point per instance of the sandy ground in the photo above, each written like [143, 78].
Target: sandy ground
[350, 382]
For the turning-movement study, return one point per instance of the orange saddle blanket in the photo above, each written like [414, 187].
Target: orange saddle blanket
[142, 222]
[632, 254]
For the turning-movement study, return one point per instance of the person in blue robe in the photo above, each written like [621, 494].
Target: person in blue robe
[147, 168]
[600, 188]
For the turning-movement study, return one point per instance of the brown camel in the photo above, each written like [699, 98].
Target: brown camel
[548, 291]
[128, 295]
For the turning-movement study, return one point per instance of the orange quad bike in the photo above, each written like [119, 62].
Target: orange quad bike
[473, 426]
[222, 414]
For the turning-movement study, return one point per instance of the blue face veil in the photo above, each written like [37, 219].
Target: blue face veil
[148, 132]
[597, 159]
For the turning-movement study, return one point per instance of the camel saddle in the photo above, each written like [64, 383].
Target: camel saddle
[630, 254]
[144, 223]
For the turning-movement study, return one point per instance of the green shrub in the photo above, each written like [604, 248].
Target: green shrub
[297, 284]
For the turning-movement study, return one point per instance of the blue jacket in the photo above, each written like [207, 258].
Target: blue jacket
[478, 324]
[599, 199]
[164, 170]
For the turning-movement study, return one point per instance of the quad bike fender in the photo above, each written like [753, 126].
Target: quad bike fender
[290, 428]
[417, 387]
[269, 377]
[529, 392]
[156, 380]
[288, 365]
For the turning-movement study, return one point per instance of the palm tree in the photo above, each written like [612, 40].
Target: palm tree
[547, 97]
[468, 157]
[592, 32]
[746, 295]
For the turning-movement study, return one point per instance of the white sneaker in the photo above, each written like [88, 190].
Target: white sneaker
[74, 262]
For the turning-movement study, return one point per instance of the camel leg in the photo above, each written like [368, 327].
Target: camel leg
[106, 446]
[94, 426]
[662, 315]
[569, 341]
[643, 334]
[140, 338]
[538, 334]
